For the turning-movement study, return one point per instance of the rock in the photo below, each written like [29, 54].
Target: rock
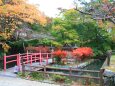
[108, 73]
[109, 78]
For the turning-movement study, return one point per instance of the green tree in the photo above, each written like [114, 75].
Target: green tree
[103, 12]
[91, 35]
[63, 28]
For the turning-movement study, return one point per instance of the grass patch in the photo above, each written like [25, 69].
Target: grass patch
[113, 58]
[57, 79]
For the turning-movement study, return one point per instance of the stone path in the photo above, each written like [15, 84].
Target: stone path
[11, 81]
[8, 78]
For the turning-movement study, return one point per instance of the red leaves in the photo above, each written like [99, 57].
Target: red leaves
[60, 53]
[82, 53]
[42, 49]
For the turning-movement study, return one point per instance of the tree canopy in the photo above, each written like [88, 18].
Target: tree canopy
[22, 10]
[103, 11]
[13, 13]
[99, 9]
[64, 27]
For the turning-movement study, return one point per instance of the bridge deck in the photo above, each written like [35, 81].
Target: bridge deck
[10, 71]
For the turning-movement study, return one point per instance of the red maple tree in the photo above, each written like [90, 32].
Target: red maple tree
[60, 53]
[82, 53]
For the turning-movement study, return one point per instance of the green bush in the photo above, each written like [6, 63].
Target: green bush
[37, 76]
[20, 74]
[59, 78]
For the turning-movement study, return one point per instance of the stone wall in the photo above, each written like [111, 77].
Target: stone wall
[109, 78]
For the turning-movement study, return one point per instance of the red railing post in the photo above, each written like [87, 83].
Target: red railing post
[40, 57]
[4, 62]
[35, 57]
[27, 57]
[31, 59]
[17, 59]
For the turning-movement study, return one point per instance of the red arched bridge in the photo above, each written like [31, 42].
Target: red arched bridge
[28, 58]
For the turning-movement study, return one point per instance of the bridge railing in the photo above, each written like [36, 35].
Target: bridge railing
[27, 57]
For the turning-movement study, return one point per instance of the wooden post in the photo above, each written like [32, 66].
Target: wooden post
[108, 61]
[23, 66]
[4, 62]
[52, 55]
[87, 82]
[101, 77]
[70, 71]
[44, 70]
[108, 57]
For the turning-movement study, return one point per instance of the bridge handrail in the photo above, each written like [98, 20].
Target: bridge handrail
[11, 55]
[30, 57]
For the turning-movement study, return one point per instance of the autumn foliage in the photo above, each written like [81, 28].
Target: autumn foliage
[21, 10]
[60, 53]
[13, 13]
[42, 49]
[82, 53]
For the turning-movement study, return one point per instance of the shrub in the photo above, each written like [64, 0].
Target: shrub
[59, 56]
[60, 53]
[20, 74]
[59, 78]
[37, 76]
[82, 53]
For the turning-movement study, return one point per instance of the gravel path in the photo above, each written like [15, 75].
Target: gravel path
[10, 81]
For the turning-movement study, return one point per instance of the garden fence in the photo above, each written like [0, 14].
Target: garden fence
[43, 69]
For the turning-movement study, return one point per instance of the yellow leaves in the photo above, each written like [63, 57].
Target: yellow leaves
[100, 23]
[0, 10]
[106, 25]
[1, 2]
[6, 47]
[7, 34]
[104, 1]
[22, 10]
[57, 27]
[110, 25]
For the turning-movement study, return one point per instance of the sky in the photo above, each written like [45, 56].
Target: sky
[49, 7]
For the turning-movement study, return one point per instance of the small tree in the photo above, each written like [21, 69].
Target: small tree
[59, 56]
[82, 53]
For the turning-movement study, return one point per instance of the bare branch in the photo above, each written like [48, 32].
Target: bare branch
[83, 12]
[111, 18]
